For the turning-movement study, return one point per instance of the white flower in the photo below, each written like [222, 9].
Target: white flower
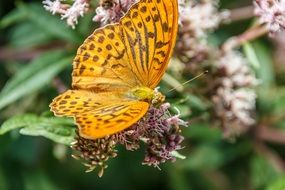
[234, 99]
[105, 15]
[77, 9]
[196, 19]
[236, 70]
[176, 121]
[241, 103]
[53, 6]
[67, 11]
[236, 105]
[200, 18]
[126, 4]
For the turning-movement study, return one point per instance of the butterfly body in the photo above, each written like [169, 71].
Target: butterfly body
[142, 93]
[118, 67]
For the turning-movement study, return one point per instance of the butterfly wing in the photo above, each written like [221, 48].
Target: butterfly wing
[149, 33]
[114, 59]
[102, 63]
[73, 102]
[110, 119]
[98, 114]
[133, 52]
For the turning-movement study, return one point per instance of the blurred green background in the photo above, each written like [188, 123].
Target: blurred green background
[36, 51]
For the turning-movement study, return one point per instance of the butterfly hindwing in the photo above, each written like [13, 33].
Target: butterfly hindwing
[73, 102]
[98, 114]
[110, 119]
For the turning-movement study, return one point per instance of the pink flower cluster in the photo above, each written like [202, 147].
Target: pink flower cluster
[234, 100]
[271, 13]
[160, 131]
[108, 11]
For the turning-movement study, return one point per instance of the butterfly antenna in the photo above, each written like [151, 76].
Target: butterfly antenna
[201, 74]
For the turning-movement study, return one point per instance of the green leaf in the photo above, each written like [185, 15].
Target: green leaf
[262, 172]
[177, 155]
[196, 102]
[59, 134]
[271, 102]
[86, 25]
[275, 102]
[12, 17]
[265, 73]
[34, 180]
[177, 179]
[3, 184]
[20, 36]
[60, 130]
[200, 159]
[202, 132]
[172, 82]
[49, 23]
[251, 55]
[33, 77]
[277, 184]
[35, 66]
[18, 122]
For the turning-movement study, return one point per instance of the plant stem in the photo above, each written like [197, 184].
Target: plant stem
[274, 159]
[249, 35]
[271, 134]
[242, 13]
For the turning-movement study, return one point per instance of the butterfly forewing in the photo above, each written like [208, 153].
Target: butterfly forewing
[134, 52]
[163, 48]
[150, 29]
[102, 62]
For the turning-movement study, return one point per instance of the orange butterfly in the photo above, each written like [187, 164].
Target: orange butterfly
[117, 68]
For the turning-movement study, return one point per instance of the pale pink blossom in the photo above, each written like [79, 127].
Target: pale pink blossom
[235, 70]
[78, 8]
[234, 99]
[271, 13]
[200, 18]
[54, 6]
